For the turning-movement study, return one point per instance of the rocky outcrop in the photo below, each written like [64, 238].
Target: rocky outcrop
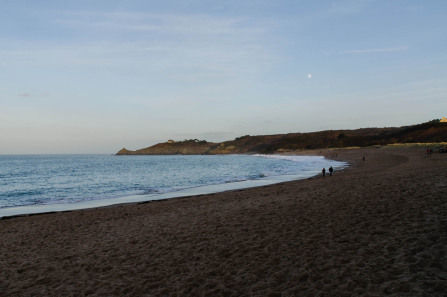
[123, 151]
[187, 147]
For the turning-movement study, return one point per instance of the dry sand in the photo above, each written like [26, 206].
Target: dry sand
[378, 228]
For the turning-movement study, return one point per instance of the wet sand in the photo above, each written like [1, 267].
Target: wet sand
[378, 228]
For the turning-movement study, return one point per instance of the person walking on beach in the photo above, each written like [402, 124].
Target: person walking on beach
[331, 170]
[324, 171]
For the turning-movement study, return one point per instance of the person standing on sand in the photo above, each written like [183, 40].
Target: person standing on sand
[324, 171]
[331, 170]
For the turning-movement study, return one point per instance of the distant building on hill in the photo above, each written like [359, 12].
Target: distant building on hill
[443, 120]
[171, 141]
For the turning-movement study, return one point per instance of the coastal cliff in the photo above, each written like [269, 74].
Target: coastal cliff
[433, 131]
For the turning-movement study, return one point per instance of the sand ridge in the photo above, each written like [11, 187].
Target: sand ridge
[377, 228]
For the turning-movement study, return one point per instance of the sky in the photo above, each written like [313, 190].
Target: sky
[94, 76]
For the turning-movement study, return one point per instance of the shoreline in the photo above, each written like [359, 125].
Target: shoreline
[25, 210]
[375, 228]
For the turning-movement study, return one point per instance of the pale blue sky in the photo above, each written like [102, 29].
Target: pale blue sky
[95, 76]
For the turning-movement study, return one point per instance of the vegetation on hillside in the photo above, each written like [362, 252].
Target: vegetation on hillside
[429, 132]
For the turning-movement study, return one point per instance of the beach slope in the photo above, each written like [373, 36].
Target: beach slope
[377, 228]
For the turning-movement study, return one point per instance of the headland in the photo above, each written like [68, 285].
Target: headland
[429, 132]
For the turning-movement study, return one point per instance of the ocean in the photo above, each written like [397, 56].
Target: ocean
[42, 183]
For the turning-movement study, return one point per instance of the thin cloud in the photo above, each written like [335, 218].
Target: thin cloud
[412, 8]
[159, 23]
[377, 50]
[29, 95]
[350, 7]
[197, 47]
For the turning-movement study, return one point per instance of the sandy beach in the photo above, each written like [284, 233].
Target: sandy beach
[377, 228]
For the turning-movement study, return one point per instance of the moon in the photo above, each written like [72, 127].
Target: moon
[309, 75]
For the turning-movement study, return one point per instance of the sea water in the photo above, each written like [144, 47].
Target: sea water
[41, 183]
